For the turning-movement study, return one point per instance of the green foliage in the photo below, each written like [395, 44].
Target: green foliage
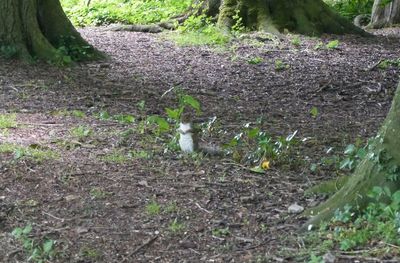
[81, 132]
[314, 112]
[8, 121]
[103, 12]
[199, 30]
[334, 44]
[175, 227]
[221, 232]
[255, 60]
[153, 208]
[31, 152]
[280, 65]
[379, 224]
[351, 8]
[386, 63]
[258, 146]
[296, 41]
[238, 27]
[35, 251]
[8, 51]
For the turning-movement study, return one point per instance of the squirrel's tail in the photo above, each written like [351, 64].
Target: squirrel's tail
[213, 150]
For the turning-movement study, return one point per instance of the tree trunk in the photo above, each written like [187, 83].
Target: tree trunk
[37, 28]
[384, 15]
[380, 167]
[309, 17]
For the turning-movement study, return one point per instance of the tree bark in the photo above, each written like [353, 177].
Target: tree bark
[309, 17]
[380, 166]
[37, 28]
[384, 15]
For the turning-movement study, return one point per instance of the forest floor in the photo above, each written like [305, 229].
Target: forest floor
[106, 190]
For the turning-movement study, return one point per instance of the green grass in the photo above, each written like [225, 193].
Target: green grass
[8, 121]
[20, 152]
[102, 12]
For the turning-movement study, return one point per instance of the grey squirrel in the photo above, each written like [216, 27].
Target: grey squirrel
[189, 139]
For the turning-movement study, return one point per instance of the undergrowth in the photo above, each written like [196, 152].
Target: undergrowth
[103, 12]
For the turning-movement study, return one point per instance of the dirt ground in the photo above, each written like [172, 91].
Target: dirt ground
[158, 206]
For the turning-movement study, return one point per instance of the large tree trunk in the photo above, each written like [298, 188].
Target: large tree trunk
[309, 17]
[36, 28]
[384, 15]
[378, 168]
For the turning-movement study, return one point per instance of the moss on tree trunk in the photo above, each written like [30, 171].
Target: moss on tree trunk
[37, 28]
[309, 17]
[381, 163]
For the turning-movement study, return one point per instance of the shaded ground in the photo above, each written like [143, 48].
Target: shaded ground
[211, 210]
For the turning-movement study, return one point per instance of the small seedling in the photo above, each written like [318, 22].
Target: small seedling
[314, 112]
[220, 232]
[296, 41]
[280, 65]
[255, 60]
[334, 44]
[153, 208]
[176, 227]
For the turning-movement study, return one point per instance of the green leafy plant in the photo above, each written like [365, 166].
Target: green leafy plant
[296, 41]
[8, 121]
[351, 8]
[176, 227]
[255, 60]
[220, 232]
[334, 44]
[258, 146]
[8, 51]
[314, 112]
[81, 132]
[99, 193]
[34, 152]
[280, 65]
[34, 250]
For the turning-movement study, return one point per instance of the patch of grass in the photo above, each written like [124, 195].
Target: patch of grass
[175, 227]
[351, 8]
[220, 232]
[198, 38]
[8, 121]
[31, 152]
[280, 65]
[116, 157]
[81, 132]
[255, 60]
[153, 208]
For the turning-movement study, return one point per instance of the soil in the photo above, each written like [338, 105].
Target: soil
[158, 205]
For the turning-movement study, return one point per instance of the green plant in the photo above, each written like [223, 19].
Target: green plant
[8, 51]
[296, 41]
[334, 44]
[351, 8]
[153, 208]
[176, 227]
[238, 27]
[35, 251]
[280, 65]
[259, 147]
[33, 152]
[314, 112]
[81, 132]
[8, 121]
[353, 155]
[219, 232]
[255, 60]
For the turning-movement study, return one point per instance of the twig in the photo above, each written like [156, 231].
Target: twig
[146, 243]
[374, 65]
[203, 209]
